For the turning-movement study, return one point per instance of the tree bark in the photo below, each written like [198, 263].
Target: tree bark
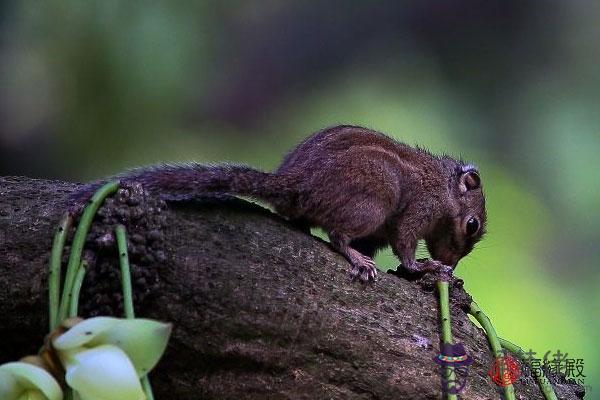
[260, 308]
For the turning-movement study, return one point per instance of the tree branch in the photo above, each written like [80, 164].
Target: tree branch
[260, 308]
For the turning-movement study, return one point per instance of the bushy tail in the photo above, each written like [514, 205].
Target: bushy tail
[187, 181]
[179, 182]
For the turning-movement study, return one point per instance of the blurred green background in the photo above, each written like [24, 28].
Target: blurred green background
[91, 88]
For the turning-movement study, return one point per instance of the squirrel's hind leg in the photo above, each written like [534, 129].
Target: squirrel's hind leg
[363, 267]
[369, 246]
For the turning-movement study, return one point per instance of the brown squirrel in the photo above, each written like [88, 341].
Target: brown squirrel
[363, 188]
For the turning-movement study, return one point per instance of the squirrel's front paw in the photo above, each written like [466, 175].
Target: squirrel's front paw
[431, 266]
[440, 268]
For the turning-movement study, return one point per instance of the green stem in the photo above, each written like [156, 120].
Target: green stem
[486, 324]
[125, 272]
[543, 382]
[147, 388]
[121, 236]
[74, 295]
[446, 326]
[78, 243]
[58, 245]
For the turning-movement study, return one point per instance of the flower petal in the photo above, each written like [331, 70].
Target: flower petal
[84, 332]
[28, 379]
[32, 395]
[104, 373]
[144, 341]
[9, 387]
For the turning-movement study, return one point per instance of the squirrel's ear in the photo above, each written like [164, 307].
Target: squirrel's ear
[469, 180]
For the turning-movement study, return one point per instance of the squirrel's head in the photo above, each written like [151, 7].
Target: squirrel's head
[456, 234]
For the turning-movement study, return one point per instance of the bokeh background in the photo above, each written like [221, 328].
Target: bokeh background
[90, 88]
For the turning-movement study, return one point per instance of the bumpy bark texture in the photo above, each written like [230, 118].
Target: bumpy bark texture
[260, 308]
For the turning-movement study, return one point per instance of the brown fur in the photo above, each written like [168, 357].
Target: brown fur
[363, 188]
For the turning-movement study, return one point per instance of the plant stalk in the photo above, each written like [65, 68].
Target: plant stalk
[74, 300]
[78, 242]
[544, 384]
[446, 328]
[121, 236]
[486, 324]
[58, 245]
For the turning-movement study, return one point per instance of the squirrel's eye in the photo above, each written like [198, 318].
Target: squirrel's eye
[472, 226]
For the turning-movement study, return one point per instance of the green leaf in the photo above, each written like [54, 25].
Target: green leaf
[84, 332]
[144, 341]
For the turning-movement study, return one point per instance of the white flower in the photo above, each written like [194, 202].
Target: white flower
[22, 381]
[104, 373]
[105, 357]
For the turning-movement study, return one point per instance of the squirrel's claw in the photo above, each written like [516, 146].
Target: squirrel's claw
[364, 270]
